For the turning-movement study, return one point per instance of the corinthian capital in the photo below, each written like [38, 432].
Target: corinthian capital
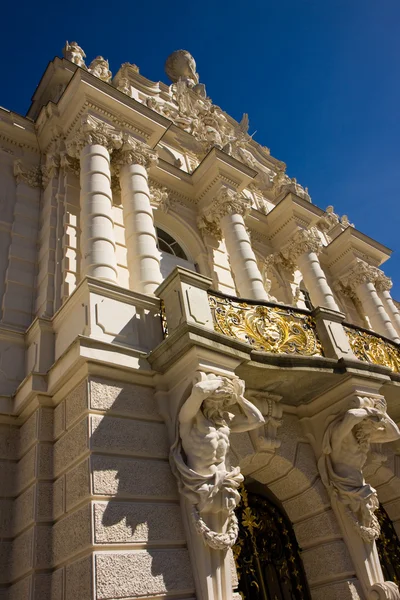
[226, 202]
[304, 240]
[383, 283]
[93, 131]
[360, 273]
[134, 152]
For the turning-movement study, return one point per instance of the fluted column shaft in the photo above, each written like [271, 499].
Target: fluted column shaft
[92, 144]
[140, 234]
[303, 250]
[315, 281]
[362, 278]
[383, 285]
[97, 225]
[225, 217]
[248, 278]
[374, 309]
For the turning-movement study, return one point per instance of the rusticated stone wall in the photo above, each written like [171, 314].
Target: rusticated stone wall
[91, 509]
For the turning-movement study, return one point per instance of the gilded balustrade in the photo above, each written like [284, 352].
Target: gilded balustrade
[276, 329]
[371, 348]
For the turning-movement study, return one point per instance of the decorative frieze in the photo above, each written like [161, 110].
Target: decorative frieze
[31, 176]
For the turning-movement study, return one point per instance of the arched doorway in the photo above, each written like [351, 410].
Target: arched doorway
[388, 546]
[266, 553]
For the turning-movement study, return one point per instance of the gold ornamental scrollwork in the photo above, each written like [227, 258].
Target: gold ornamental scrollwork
[372, 348]
[274, 329]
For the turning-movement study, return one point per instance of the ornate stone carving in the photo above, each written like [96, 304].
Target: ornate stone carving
[268, 404]
[304, 240]
[30, 176]
[50, 168]
[124, 86]
[360, 273]
[93, 131]
[346, 444]
[382, 282]
[100, 68]
[181, 66]
[74, 53]
[159, 197]
[69, 164]
[226, 202]
[282, 185]
[135, 152]
[200, 455]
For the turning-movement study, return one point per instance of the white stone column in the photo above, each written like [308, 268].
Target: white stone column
[143, 255]
[92, 145]
[383, 285]
[361, 278]
[225, 216]
[304, 250]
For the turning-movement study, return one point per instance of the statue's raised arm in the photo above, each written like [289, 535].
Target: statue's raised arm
[200, 455]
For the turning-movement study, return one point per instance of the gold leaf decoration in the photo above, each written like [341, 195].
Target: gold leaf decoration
[274, 329]
[372, 348]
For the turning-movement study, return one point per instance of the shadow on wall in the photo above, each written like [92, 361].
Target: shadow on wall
[140, 511]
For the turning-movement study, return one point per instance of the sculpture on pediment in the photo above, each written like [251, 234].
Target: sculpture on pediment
[100, 68]
[200, 455]
[74, 53]
[181, 66]
[282, 184]
[346, 444]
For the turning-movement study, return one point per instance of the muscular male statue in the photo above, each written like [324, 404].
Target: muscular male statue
[345, 447]
[199, 456]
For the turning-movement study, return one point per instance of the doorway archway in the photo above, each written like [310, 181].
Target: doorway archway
[266, 553]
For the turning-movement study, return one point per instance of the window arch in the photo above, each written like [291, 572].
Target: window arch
[171, 253]
[166, 243]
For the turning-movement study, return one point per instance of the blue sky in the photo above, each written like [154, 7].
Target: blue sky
[320, 80]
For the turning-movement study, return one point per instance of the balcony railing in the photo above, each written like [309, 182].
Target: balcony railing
[267, 327]
[370, 347]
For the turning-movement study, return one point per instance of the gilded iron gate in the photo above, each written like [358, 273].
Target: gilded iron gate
[388, 546]
[266, 553]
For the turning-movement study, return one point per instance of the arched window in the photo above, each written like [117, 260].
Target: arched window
[172, 254]
[166, 243]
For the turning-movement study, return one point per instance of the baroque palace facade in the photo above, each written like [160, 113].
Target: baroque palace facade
[199, 367]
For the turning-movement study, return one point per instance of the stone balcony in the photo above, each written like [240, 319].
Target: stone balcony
[103, 326]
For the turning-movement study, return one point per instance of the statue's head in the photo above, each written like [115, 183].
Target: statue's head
[180, 65]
